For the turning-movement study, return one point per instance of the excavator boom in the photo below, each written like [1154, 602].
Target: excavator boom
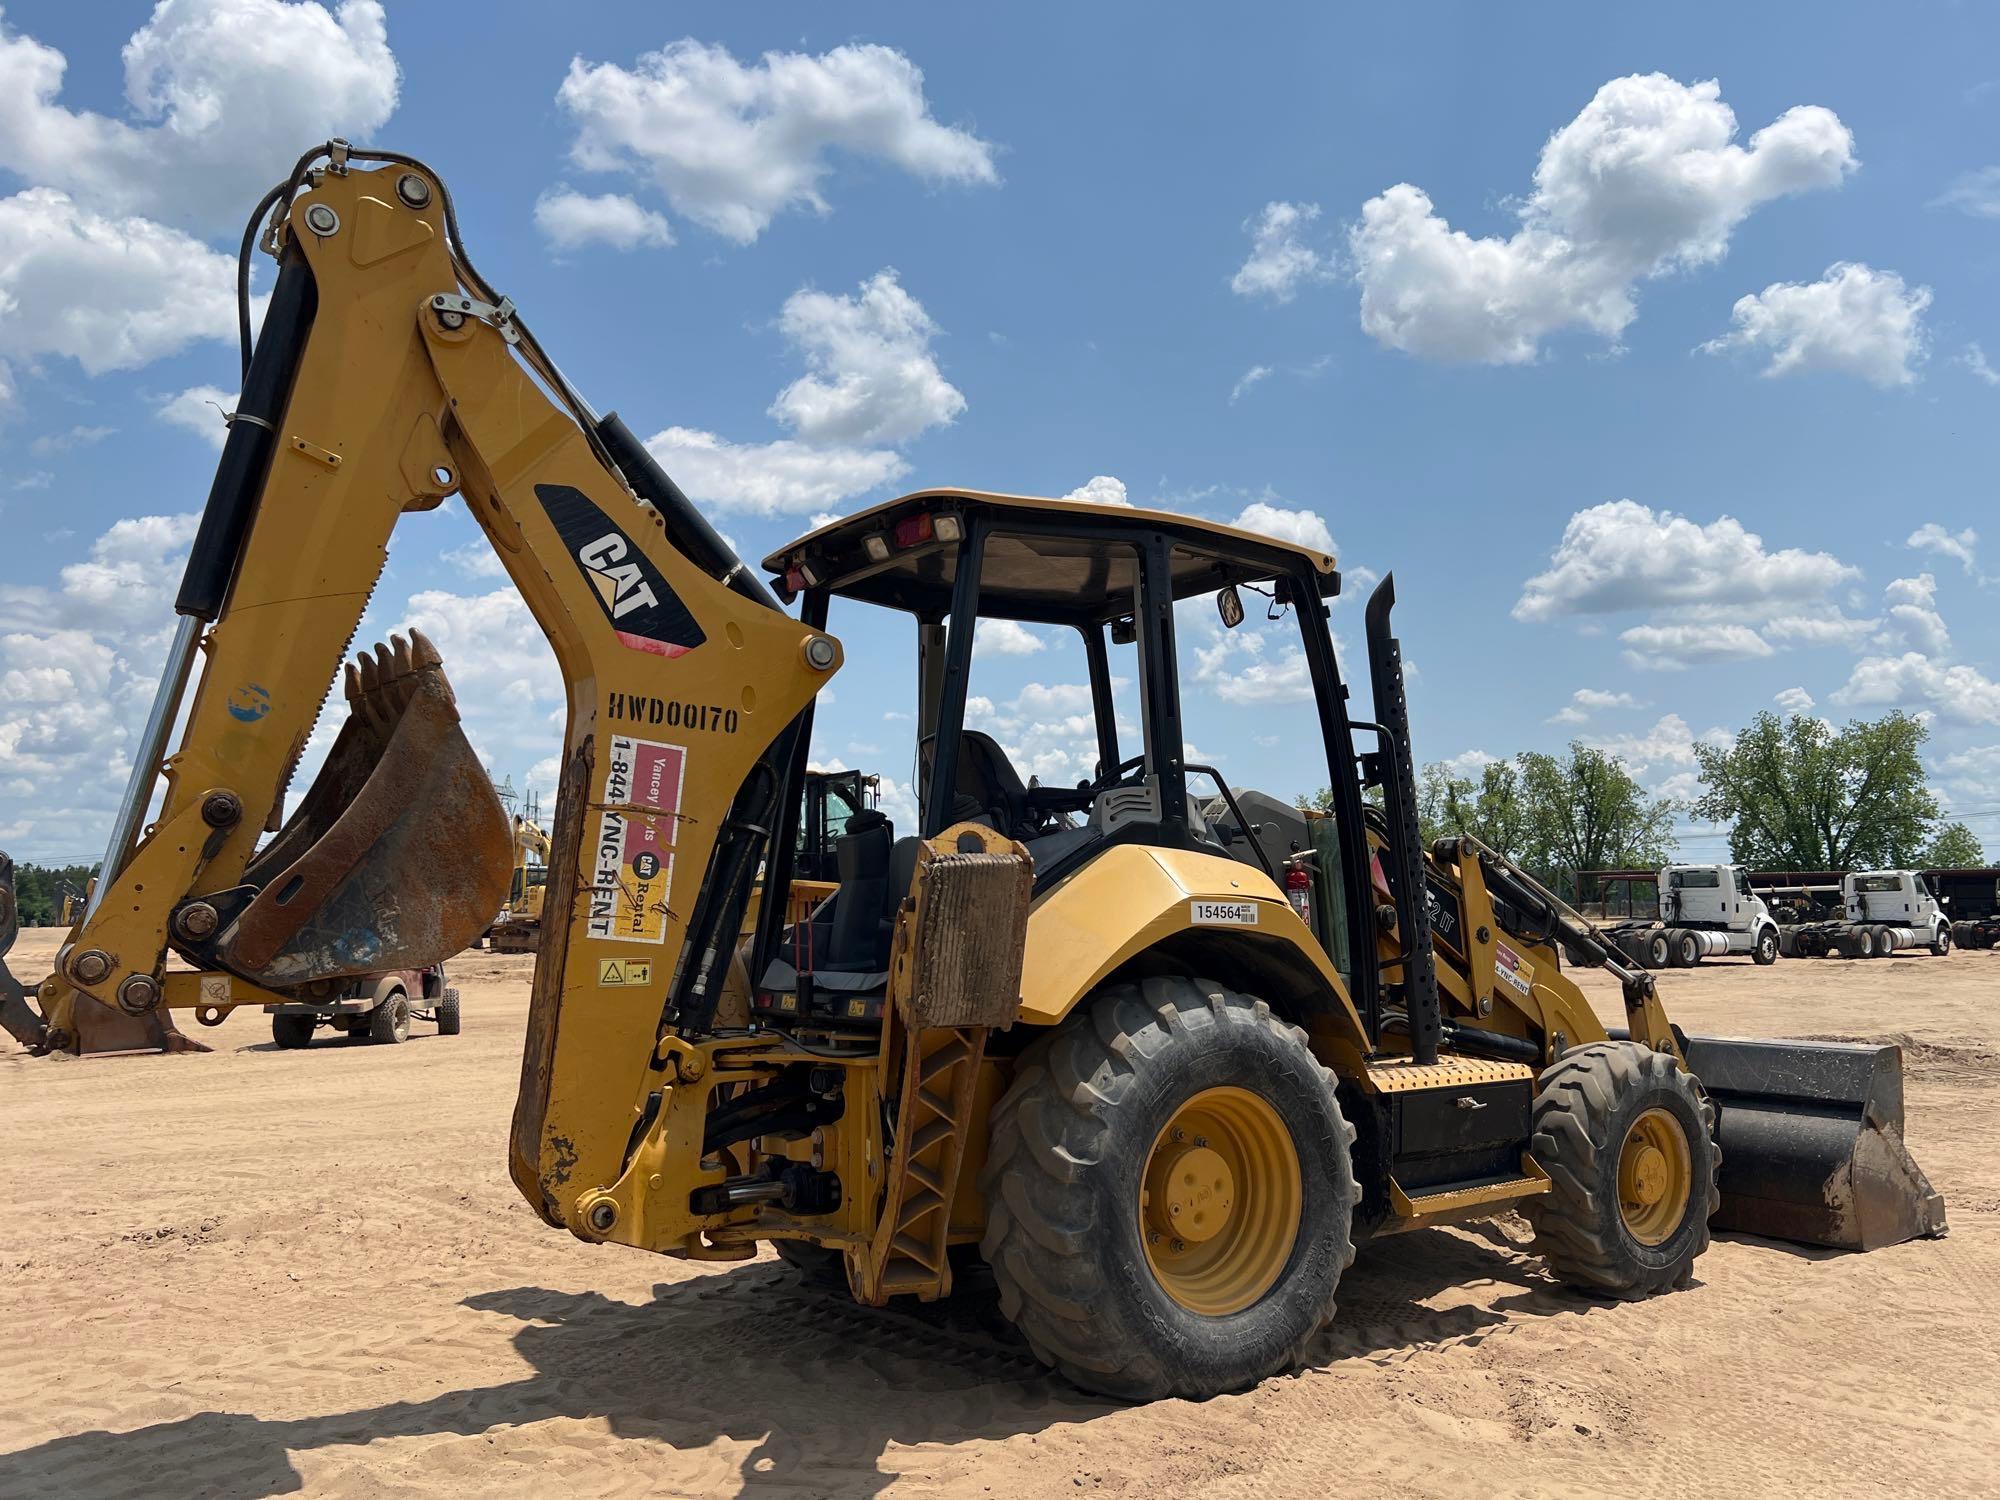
[389, 375]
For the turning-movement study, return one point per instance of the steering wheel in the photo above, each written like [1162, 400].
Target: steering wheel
[1115, 775]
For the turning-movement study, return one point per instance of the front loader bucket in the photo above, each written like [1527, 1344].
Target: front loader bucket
[400, 853]
[1812, 1143]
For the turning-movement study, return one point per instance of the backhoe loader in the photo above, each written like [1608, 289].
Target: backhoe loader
[1078, 1032]
[519, 926]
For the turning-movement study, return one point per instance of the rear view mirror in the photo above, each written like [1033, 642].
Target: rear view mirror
[1229, 604]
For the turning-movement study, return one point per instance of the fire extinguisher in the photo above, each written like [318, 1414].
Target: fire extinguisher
[1298, 891]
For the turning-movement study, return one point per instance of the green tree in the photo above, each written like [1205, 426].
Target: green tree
[1584, 811]
[1953, 847]
[38, 890]
[1491, 809]
[1799, 794]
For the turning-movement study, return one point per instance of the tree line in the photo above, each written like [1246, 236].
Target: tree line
[1796, 794]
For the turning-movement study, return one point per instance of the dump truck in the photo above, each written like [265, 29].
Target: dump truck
[1706, 911]
[1066, 1031]
[1880, 912]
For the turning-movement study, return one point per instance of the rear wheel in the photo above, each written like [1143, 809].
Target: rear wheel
[447, 1013]
[1658, 951]
[1627, 1138]
[292, 1031]
[1687, 949]
[1766, 951]
[1169, 1192]
[390, 1021]
[815, 1263]
[1884, 945]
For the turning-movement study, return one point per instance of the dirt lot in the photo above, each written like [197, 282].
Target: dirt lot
[275, 1273]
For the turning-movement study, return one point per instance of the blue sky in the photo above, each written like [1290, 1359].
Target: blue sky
[1635, 404]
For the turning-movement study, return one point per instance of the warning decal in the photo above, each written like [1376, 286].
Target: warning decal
[624, 971]
[632, 861]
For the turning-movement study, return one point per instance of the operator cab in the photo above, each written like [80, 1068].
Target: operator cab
[951, 559]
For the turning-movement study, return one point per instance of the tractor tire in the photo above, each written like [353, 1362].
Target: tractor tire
[1687, 949]
[448, 1018]
[817, 1265]
[1941, 942]
[390, 1021]
[1628, 1140]
[1100, 1175]
[1766, 952]
[292, 1031]
[1659, 952]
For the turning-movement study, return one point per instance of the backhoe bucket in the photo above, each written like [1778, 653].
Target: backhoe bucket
[398, 855]
[1812, 1143]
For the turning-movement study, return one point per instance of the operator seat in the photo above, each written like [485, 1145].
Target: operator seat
[988, 789]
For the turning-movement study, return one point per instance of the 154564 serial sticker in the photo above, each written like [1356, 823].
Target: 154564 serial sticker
[1223, 913]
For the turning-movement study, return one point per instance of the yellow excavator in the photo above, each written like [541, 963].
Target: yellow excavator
[1093, 1036]
[519, 925]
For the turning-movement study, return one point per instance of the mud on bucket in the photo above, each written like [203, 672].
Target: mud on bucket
[399, 854]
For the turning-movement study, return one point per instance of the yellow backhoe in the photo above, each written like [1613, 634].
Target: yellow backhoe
[1083, 1033]
[518, 928]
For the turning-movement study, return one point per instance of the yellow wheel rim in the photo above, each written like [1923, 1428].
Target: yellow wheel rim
[1655, 1177]
[1220, 1201]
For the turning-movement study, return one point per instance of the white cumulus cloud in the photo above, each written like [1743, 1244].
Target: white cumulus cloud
[1672, 645]
[1794, 700]
[1911, 617]
[1304, 528]
[732, 145]
[1960, 693]
[785, 477]
[571, 220]
[1854, 320]
[225, 92]
[871, 376]
[1961, 546]
[1101, 489]
[1280, 260]
[1647, 179]
[201, 410]
[1625, 556]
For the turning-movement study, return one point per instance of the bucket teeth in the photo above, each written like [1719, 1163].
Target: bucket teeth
[380, 682]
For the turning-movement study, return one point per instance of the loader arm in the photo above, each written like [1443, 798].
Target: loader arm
[388, 377]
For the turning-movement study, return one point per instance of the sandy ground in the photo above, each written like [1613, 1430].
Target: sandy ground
[307, 1273]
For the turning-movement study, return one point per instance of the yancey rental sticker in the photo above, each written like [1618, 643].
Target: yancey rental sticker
[632, 864]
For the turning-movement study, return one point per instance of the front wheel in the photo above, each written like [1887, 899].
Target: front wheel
[1766, 952]
[1941, 942]
[1628, 1140]
[1169, 1192]
[290, 1031]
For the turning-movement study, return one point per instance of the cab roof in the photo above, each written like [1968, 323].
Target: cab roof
[1052, 561]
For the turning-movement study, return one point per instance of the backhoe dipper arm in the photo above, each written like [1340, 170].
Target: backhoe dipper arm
[408, 380]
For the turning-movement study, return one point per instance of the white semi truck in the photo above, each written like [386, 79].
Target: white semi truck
[1706, 911]
[1881, 911]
